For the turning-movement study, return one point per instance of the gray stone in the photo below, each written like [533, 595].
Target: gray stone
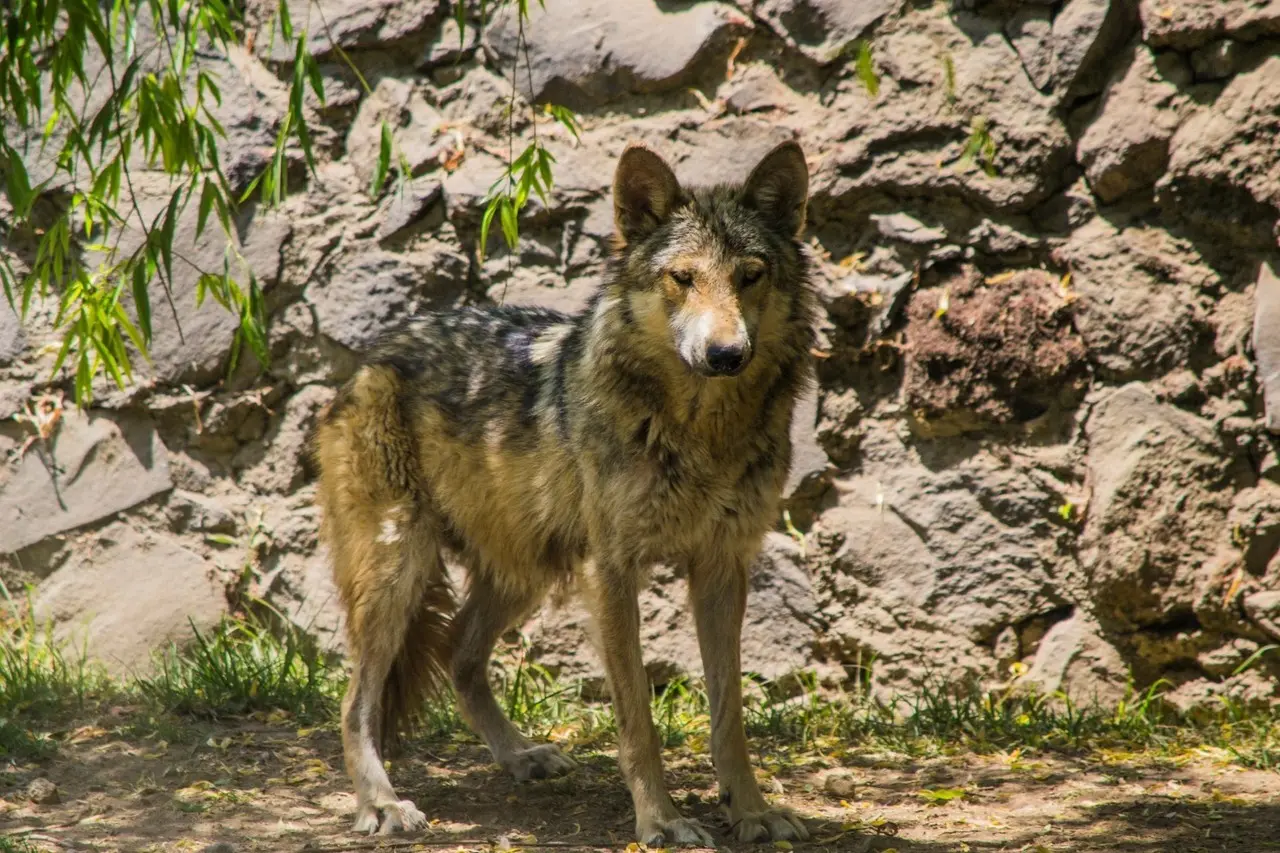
[1075, 659]
[589, 52]
[1030, 31]
[1189, 24]
[1222, 172]
[1217, 60]
[282, 466]
[370, 291]
[1136, 324]
[1126, 147]
[1152, 532]
[401, 211]
[415, 129]
[12, 338]
[1263, 610]
[105, 463]
[190, 343]
[823, 29]
[127, 594]
[906, 229]
[809, 461]
[373, 23]
[1086, 35]
[1266, 342]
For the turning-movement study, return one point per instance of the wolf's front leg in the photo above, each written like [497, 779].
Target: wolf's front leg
[612, 598]
[719, 598]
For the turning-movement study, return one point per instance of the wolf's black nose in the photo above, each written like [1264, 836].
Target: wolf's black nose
[726, 359]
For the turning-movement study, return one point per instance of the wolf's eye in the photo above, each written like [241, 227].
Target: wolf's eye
[684, 278]
[751, 275]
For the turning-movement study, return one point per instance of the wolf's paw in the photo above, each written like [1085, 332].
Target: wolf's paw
[672, 832]
[538, 762]
[402, 816]
[770, 825]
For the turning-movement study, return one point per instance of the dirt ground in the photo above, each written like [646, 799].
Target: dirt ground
[260, 786]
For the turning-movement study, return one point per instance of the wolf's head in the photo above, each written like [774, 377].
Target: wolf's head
[711, 270]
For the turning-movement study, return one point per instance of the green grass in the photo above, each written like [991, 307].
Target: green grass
[252, 668]
[242, 667]
[36, 672]
[13, 844]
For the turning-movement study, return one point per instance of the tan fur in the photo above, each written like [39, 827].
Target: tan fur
[544, 450]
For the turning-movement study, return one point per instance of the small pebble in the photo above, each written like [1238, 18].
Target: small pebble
[43, 792]
[839, 785]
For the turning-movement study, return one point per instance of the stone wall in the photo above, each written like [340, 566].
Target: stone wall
[1046, 429]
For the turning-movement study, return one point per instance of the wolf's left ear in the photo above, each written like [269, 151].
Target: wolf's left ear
[645, 191]
[778, 188]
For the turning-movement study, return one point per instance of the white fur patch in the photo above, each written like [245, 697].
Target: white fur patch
[547, 344]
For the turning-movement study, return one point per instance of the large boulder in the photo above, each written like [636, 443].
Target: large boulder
[588, 52]
[126, 594]
[94, 466]
[1126, 146]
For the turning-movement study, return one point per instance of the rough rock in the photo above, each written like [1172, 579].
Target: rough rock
[1266, 342]
[415, 129]
[941, 533]
[993, 352]
[1073, 657]
[1030, 31]
[590, 52]
[776, 634]
[376, 23]
[1222, 168]
[127, 594]
[1126, 147]
[43, 792]
[1086, 33]
[1140, 308]
[1263, 610]
[105, 463]
[371, 291]
[1190, 23]
[1151, 534]
[823, 29]
[12, 338]
[285, 468]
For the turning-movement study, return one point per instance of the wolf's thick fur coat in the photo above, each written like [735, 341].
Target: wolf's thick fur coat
[542, 449]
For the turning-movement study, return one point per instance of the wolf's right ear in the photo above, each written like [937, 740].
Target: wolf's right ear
[645, 191]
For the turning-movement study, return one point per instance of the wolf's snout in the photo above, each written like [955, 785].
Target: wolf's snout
[727, 359]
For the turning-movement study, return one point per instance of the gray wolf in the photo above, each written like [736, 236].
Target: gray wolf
[540, 450]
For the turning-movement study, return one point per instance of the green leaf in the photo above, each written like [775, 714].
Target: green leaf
[167, 234]
[142, 302]
[384, 162]
[207, 196]
[485, 222]
[286, 25]
[510, 225]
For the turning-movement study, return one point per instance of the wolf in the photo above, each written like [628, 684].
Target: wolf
[541, 450]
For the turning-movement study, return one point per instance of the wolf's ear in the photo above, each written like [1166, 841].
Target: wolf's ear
[778, 188]
[645, 191]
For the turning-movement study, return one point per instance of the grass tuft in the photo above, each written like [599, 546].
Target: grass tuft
[38, 676]
[241, 667]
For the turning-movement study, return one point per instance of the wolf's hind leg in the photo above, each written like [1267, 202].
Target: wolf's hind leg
[485, 614]
[399, 608]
